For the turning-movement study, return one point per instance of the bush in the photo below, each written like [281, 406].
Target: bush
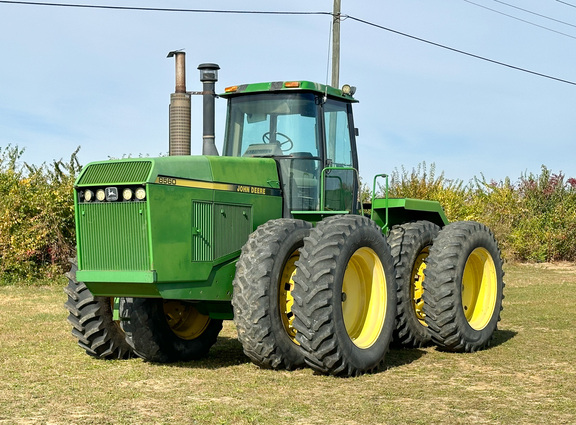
[37, 232]
[533, 219]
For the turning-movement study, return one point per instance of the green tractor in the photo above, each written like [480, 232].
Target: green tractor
[272, 234]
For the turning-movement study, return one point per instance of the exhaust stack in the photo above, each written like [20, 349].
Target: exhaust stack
[180, 110]
[208, 76]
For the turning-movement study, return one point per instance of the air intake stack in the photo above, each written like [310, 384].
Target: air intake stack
[180, 110]
[208, 77]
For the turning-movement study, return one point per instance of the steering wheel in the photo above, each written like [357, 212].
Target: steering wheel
[288, 141]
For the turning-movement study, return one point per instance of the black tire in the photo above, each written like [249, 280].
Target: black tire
[344, 317]
[92, 321]
[463, 289]
[167, 331]
[410, 245]
[262, 294]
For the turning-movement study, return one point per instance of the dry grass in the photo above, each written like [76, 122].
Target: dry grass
[527, 377]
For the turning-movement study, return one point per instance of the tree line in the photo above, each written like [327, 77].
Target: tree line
[533, 218]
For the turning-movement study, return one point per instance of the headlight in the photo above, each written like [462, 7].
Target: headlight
[127, 194]
[140, 193]
[100, 195]
[88, 195]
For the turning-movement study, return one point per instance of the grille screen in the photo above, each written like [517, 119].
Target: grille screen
[116, 173]
[113, 236]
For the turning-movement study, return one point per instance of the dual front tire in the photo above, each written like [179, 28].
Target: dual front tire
[167, 331]
[345, 297]
[323, 297]
[92, 320]
[262, 296]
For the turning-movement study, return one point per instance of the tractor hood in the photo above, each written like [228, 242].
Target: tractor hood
[257, 172]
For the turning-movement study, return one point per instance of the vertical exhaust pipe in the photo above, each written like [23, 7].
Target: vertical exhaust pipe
[180, 110]
[208, 76]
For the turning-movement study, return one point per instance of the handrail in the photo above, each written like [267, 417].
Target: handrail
[374, 195]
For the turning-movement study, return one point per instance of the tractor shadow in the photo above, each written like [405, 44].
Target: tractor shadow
[225, 353]
[397, 357]
[501, 337]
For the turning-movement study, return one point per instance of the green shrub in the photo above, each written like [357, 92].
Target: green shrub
[423, 183]
[37, 232]
[547, 229]
[533, 219]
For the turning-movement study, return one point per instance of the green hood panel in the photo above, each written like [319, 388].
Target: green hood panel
[254, 171]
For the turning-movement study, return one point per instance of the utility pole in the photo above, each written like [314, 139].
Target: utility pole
[336, 44]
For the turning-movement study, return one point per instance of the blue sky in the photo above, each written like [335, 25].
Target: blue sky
[100, 79]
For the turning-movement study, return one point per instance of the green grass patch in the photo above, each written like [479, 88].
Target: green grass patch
[528, 376]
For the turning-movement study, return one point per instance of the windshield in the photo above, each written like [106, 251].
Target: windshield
[275, 124]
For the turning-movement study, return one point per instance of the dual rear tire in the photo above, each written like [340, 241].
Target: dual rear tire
[450, 285]
[410, 244]
[463, 289]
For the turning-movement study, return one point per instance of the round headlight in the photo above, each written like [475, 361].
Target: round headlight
[100, 195]
[140, 193]
[127, 194]
[88, 195]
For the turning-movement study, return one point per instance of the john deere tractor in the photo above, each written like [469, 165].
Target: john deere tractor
[272, 234]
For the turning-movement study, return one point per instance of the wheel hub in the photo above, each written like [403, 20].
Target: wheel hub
[479, 288]
[364, 297]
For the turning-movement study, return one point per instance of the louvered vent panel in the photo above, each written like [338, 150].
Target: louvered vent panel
[202, 240]
[232, 226]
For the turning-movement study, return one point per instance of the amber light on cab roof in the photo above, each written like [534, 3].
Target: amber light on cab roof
[292, 84]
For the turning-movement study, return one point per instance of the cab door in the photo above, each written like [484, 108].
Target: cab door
[341, 173]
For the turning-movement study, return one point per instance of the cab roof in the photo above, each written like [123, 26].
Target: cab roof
[280, 86]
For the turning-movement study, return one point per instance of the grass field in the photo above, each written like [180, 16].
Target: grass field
[527, 377]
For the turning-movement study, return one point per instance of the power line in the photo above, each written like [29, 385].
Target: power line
[536, 14]
[260, 12]
[461, 51]
[520, 19]
[568, 4]
[162, 9]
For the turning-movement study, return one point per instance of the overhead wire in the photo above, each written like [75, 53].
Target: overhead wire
[535, 13]
[520, 19]
[260, 12]
[566, 3]
[162, 9]
[452, 49]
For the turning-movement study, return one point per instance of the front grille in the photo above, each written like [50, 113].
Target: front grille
[113, 236]
[129, 172]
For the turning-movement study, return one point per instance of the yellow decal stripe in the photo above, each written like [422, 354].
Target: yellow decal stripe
[197, 184]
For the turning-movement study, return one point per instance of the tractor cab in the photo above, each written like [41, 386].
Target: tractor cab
[307, 128]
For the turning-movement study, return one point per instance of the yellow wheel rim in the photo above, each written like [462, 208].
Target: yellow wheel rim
[285, 299]
[184, 320]
[416, 287]
[364, 298]
[479, 288]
